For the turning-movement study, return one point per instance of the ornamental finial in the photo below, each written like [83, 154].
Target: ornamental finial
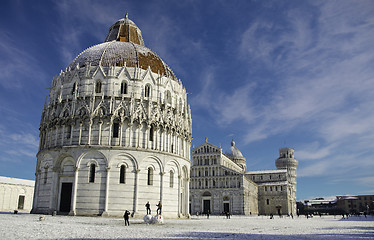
[127, 15]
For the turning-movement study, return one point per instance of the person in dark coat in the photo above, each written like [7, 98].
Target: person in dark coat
[126, 217]
[159, 207]
[148, 207]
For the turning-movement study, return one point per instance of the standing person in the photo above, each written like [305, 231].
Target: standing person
[148, 207]
[207, 214]
[126, 217]
[159, 207]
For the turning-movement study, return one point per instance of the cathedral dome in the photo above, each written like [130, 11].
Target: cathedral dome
[235, 152]
[123, 46]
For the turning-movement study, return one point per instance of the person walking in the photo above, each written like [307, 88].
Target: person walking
[148, 207]
[159, 207]
[126, 217]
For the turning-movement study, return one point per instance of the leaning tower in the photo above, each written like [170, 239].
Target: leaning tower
[287, 161]
[115, 132]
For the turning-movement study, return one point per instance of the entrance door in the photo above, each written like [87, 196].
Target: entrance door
[21, 201]
[65, 200]
[226, 207]
[206, 206]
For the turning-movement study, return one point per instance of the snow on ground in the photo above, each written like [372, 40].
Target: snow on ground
[28, 226]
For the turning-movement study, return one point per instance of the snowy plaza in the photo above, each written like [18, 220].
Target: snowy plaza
[28, 226]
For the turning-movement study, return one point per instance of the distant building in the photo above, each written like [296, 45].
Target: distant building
[16, 194]
[356, 203]
[320, 205]
[347, 204]
[221, 183]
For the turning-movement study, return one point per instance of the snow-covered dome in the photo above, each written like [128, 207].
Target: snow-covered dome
[123, 46]
[235, 152]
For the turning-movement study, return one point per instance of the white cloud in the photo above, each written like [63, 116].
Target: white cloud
[323, 86]
[18, 146]
[17, 65]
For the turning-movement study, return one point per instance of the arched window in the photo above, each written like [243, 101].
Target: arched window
[73, 89]
[98, 87]
[168, 97]
[115, 129]
[150, 176]
[180, 105]
[122, 174]
[147, 91]
[92, 172]
[68, 133]
[45, 175]
[123, 87]
[151, 130]
[171, 178]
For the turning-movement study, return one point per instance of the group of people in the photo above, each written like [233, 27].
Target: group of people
[126, 214]
[148, 208]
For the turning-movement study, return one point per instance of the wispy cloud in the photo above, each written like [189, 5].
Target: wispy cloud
[322, 60]
[18, 146]
[17, 65]
[79, 19]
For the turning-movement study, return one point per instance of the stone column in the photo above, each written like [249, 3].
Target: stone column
[161, 185]
[100, 124]
[74, 193]
[105, 213]
[71, 133]
[36, 192]
[136, 191]
[80, 133]
[110, 133]
[63, 135]
[120, 133]
[56, 135]
[179, 195]
[147, 134]
[54, 189]
[186, 196]
[130, 135]
[137, 132]
[89, 132]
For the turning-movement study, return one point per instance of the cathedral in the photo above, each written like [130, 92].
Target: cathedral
[115, 132]
[220, 183]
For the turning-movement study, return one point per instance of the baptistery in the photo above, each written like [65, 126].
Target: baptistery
[115, 133]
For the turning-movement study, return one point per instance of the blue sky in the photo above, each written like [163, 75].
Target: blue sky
[267, 74]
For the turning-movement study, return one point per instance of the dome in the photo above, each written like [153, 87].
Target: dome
[235, 152]
[123, 46]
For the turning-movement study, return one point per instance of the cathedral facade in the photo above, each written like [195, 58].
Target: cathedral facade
[221, 183]
[115, 132]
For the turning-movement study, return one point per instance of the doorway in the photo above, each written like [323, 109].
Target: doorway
[226, 207]
[21, 202]
[206, 206]
[65, 197]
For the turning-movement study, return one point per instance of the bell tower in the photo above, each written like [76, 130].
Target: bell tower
[287, 161]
